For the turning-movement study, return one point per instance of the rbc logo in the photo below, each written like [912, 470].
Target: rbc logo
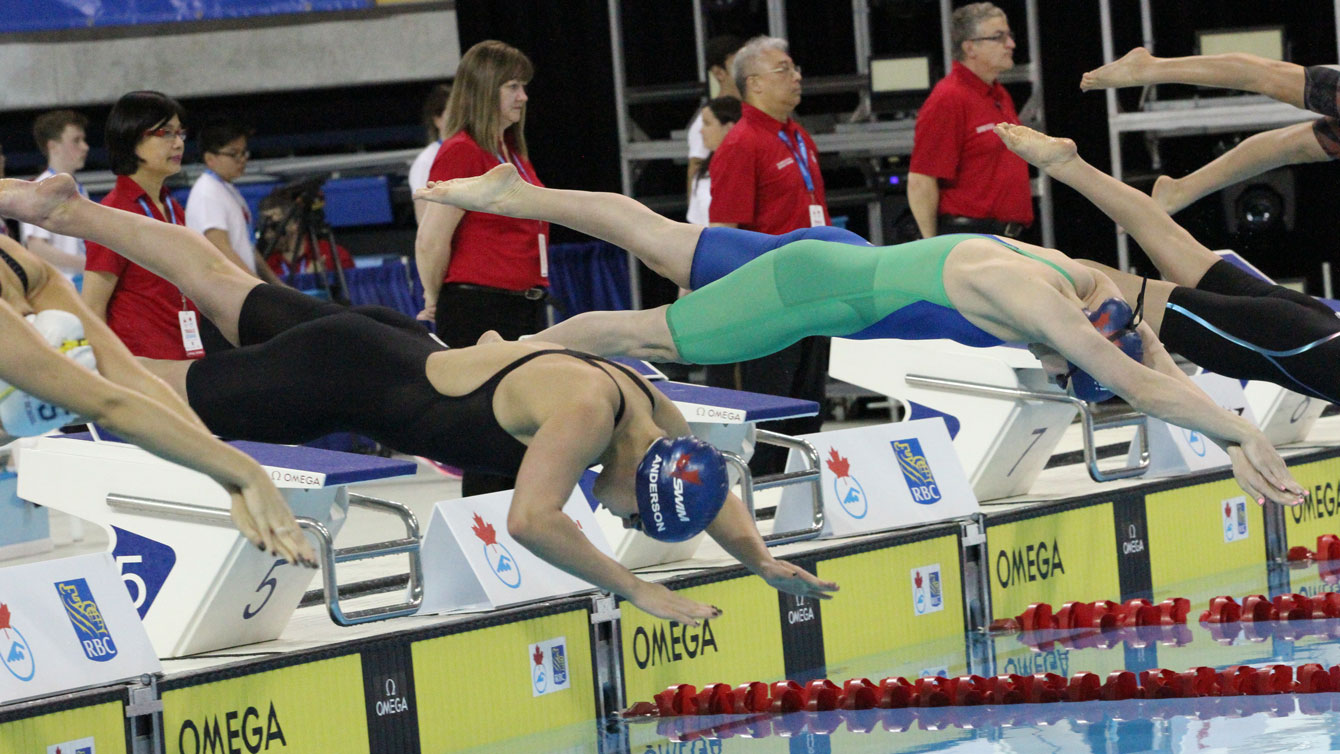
[89, 627]
[499, 558]
[15, 653]
[145, 565]
[848, 492]
[916, 471]
[1242, 517]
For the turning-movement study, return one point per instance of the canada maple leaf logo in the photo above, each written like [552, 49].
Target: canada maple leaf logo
[1228, 510]
[683, 471]
[918, 579]
[484, 531]
[4, 617]
[838, 464]
[538, 657]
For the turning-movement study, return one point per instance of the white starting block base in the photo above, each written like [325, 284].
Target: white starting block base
[1283, 415]
[470, 562]
[25, 529]
[197, 586]
[69, 625]
[880, 477]
[1176, 450]
[1003, 441]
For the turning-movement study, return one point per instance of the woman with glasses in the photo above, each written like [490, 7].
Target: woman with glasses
[145, 141]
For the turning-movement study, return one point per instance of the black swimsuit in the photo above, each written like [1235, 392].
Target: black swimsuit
[307, 368]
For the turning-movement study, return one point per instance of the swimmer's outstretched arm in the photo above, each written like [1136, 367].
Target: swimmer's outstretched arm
[662, 244]
[1046, 315]
[28, 363]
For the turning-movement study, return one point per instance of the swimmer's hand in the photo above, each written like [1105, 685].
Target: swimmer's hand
[264, 518]
[1260, 471]
[429, 313]
[656, 600]
[793, 579]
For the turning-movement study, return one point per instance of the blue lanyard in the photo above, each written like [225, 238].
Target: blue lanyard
[172, 211]
[802, 158]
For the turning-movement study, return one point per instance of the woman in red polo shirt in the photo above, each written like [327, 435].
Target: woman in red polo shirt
[480, 271]
[145, 142]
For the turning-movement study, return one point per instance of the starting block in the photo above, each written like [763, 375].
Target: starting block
[196, 582]
[1174, 450]
[1004, 415]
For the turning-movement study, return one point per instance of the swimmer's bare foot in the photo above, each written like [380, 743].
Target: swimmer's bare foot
[1167, 192]
[490, 192]
[1037, 148]
[36, 203]
[1128, 70]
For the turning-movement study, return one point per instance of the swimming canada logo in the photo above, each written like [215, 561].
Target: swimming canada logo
[89, 627]
[927, 596]
[849, 492]
[15, 652]
[1195, 441]
[1235, 518]
[917, 471]
[549, 666]
[499, 558]
[680, 474]
[86, 745]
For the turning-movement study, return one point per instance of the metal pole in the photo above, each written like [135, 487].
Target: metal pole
[700, 38]
[777, 18]
[1113, 136]
[1035, 78]
[946, 16]
[621, 119]
[1326, 280]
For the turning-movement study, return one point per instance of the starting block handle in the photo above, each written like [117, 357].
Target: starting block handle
[1085, 412]
[408, 545]
[195, 514]
[809, 475]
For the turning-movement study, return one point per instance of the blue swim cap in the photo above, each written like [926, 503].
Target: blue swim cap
[1113, 319]
[681, 485]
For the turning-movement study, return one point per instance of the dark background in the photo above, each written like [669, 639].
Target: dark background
[571, 123]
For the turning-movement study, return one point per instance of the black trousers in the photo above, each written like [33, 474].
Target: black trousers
[797, 371]
[464, 314]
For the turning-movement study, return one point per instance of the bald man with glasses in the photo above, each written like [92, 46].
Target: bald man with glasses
[962, 178]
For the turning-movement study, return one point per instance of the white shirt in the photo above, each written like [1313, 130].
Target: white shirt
[217, 204]
[700, 201]
[67, 244]
[422, 165]
[697, 149]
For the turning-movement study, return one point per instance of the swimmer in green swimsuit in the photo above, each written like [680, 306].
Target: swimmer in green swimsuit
[1024, 293]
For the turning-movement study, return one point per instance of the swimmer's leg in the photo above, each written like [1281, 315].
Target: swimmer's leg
[1237, 70]
[639, 334]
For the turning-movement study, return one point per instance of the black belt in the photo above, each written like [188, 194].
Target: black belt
[530, 294]
[961, 224]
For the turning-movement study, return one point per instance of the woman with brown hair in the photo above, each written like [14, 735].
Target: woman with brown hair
[483, 272]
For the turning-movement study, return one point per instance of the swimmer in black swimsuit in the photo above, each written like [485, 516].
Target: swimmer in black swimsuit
[1208, 310]
[1315, 88]
[304, 367]
[126, 398]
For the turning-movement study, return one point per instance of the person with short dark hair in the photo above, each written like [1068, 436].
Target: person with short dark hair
[215, 207]
[61, 137]
[145, 143]
[718, 54]
[434, 123]
[961, 178]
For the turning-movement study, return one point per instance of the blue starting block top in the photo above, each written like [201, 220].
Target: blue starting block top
[715, 404]
[339, 468]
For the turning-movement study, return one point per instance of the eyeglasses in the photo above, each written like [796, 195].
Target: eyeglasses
[785, 68]
[239, 156]
[999, 36]
[167, 133]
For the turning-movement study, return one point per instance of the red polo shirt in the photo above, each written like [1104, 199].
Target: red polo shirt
[979, 176]
[756, 181]
[492, 250]
[143, 308]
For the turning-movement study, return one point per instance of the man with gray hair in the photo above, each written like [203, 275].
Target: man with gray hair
[962, 178]
[765, 178]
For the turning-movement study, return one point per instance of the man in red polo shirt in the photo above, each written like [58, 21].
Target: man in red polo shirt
[962, 179]
[765, 178]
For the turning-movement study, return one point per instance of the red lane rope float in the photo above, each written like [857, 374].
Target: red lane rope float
[1328, 549]
[1102, 615]
[824, 695]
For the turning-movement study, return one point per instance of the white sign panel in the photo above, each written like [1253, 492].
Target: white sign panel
[548, 662]
[470, 561]
[68, 624]
[1176, 450]
[880, 477]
